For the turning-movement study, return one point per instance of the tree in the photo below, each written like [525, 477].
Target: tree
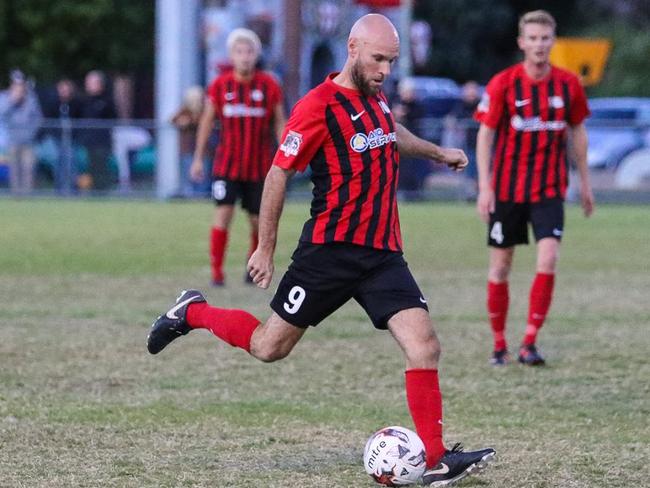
[68, 38]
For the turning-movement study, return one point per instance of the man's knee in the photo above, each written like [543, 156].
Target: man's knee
[425, 353]
[274, 340]
[269, 353]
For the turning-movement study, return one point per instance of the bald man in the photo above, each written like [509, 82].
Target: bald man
[351, 247]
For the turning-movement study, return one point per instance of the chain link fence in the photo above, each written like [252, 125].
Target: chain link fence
[118, 158]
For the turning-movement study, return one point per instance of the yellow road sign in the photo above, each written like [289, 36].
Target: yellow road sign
[583, 56]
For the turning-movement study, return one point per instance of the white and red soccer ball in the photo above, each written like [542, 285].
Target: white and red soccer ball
[394, 456]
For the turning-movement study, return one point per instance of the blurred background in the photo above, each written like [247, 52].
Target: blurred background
[99, 82]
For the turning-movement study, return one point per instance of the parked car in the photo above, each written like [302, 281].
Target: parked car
[617, 127]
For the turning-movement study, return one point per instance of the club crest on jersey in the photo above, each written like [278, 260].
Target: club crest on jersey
[359, 142]
[291, 143]
[556, 102]
[257, 95]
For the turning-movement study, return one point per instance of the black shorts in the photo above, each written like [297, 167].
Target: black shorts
[323, 277]
[226, 192]
[509, 223]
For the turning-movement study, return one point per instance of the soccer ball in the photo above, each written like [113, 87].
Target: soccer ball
[394, 456]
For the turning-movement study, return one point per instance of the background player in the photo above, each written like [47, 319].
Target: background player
[532, 107]
[351, 246]
[247, 103]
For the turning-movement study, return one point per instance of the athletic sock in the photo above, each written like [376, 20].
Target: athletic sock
[425, 404]
[541, 293]
[497, 305]
[235, 327]
[218, 241]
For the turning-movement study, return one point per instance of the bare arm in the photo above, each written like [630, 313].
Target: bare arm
[260, 265]
[279, 120]
[411, 145]
[485, 200]
[202, 135]
[578, 148]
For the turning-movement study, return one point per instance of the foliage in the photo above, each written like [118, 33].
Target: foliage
[626, 73]
[473, 39]
[52, 39]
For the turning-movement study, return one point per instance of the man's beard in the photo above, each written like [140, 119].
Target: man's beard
[361, 82]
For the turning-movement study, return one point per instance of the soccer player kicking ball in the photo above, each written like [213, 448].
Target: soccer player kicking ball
[531, 107]
[351, 247]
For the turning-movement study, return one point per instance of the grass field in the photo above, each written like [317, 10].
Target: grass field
[82, 404]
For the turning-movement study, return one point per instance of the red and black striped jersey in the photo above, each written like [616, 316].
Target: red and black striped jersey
[245, 111]
[349, 142]
[531, 117]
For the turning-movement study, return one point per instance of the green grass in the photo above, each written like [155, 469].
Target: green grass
[83, 404]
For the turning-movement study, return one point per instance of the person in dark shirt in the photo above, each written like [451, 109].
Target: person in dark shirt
[98, 108]
[61, 109]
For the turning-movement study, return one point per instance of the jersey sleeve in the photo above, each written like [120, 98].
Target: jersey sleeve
[579, 109]
[490, 108]
[213, 94]
[303, 135]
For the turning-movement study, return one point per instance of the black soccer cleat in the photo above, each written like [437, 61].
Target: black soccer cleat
[172, 324]
[500, 358]
[529, 356]
[456, 464]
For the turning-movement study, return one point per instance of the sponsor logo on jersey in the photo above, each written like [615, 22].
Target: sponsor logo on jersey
[360, 142]
[535, 124]
[242, 110]
[291, 144]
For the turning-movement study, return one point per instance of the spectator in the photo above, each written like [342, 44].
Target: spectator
[463, 130]
[186, 120]
[409, 112]
[97, 106]
[20, 113]
[57, 141]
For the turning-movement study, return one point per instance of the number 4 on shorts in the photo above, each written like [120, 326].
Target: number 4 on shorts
[496, 233]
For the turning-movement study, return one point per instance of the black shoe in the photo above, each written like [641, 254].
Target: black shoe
[456, 464]
[248, 279]
[528, 355]
[173, 324]
[500, 358]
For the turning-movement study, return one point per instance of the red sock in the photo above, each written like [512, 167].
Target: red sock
[218, 241]
[541, 293]
[235, 327]
[425, 404]
[497, 305]
[254, 242]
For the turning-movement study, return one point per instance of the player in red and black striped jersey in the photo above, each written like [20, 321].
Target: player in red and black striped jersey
[247, 103]
[351, 247]
[534, 109]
